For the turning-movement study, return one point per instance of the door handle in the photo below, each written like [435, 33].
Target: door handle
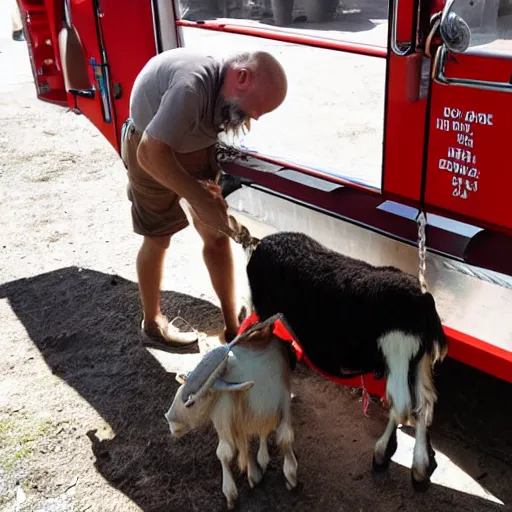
[441, 78]
[404, 50]
[83, 93]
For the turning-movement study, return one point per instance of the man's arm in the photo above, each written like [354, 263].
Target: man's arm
[159, 160]
[176, 116]
[178, 112]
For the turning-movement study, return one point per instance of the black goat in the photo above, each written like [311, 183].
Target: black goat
[352, 318]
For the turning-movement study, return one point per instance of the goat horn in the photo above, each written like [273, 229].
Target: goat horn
[213, 364]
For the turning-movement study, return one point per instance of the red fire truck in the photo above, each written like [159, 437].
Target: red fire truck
[393, 111]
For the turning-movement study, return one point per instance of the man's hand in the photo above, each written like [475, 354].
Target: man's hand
[160, 161]
[213, 211]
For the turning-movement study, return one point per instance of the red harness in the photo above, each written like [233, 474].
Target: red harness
[366, 382]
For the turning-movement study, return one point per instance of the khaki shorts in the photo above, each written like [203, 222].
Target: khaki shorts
[155, 209]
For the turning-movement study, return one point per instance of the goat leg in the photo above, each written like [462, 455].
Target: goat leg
[285, 438]
[225, 453]
[386, 446]
[254, 473]
[247, 462]
[424, 460]
[263, 456]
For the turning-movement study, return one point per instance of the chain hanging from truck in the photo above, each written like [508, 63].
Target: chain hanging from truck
[456, 37]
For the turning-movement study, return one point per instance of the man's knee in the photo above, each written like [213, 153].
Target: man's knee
[157, 242]
[210, 237]
[214, 241]
[219, 243]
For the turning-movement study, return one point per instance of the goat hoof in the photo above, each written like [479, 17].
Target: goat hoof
[388, 453]
[380, 467]
[263, 464]
[294, 491]
[291, 485]
[255, 479]
[232, 504]
[420, 485]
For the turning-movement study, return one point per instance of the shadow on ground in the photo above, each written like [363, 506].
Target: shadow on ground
[84, 323]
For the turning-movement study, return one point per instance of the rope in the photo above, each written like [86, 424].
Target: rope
[435, 22]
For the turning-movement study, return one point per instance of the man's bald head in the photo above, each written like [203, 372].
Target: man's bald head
[255, 82]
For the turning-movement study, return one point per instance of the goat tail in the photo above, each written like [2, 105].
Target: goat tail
[409, 359]
[432, 348]
[434, 337]
[401, 353]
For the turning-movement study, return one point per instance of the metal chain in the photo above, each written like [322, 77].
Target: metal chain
[422, 249]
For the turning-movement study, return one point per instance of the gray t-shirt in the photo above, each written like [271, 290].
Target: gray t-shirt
[174, 99]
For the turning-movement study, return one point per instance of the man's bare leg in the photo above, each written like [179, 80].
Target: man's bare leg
[218, 258]
[150, 265]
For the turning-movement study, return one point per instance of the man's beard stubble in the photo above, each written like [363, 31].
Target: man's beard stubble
[233, 118]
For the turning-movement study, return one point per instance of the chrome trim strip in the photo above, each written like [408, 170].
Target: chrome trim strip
[470, 299]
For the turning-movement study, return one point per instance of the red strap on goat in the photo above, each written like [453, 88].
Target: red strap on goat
[281, 332]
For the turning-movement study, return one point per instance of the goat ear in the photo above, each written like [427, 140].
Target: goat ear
[221, 385]
[181, 378]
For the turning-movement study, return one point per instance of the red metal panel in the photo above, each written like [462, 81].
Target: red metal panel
[404, 132]
[39, 25]
[479, 354]
[54, 12]
[130, 42]
[468, 172]
[84, 20]
[288, 37]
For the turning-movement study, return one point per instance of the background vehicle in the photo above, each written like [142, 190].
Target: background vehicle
[387, 115]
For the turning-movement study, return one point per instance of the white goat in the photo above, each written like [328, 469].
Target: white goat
[251, 399]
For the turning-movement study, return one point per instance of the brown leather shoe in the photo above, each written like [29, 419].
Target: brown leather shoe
[164, 335]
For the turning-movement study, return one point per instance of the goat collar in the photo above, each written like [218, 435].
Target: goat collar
[371, 382]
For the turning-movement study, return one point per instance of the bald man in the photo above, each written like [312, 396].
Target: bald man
[180, 102]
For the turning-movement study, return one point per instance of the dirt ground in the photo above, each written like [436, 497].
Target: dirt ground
[82, 403]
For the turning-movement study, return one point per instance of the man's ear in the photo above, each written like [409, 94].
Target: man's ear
[243, 78]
